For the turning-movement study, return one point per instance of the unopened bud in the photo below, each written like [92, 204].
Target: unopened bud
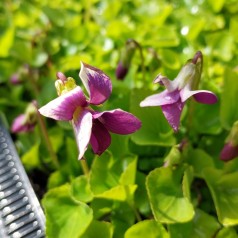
[15, 79]
[230, 149]
[126, 58]
[121, 71]
[27, 121]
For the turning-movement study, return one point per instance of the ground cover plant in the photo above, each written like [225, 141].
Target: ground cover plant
[125, 114]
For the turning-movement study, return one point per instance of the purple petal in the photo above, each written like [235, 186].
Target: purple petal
[118, 121]
[21, 125]
[163, 98]
[82, 125]
[229, 152]
[202, 96]
[96, 83]
[172, 113]
[63, 107]
[164, 81]
[100, 138]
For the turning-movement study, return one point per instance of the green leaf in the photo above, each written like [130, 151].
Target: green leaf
[141, 197]
[205, 119]
[108, 172]
[222, 44]
[216, 5]
[227, 232]
[202, 226]
[148, 229]
[64, 216]
[102, 177]
[155, 129]
[128, 176]
[6, 41]
[97, 228]
[224, 190]
[119, 193]
[200, 160]
[80, 189]
[56, 179]
[31, 158]
[170, 59]
[56, 138]
[229, 108]
[168, 201]
[123, 217]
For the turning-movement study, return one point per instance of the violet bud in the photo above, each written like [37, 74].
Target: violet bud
[121, 71]
[230, 149]
[25, 122]
[15, 79]
[229, 152]
[126, 58]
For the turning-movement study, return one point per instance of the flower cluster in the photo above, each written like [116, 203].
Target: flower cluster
[90, 126]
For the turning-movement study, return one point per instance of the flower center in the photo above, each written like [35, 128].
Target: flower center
[63, 87]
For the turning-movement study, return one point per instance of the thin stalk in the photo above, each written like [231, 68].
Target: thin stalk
[142, 61]
[47, 141]
[84, 165]
[137, 214]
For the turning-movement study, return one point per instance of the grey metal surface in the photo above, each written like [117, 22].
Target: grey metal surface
[21, 215]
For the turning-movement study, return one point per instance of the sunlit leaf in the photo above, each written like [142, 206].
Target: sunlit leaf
[168, 200]
[64, 216]
[148, 229]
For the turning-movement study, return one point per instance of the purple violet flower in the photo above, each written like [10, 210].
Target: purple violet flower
[27, 121]
[172, 99]
[89, 126]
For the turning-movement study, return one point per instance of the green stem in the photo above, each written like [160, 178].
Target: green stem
[84, 165]
[47, 141]
[142, 61]
[137, 214]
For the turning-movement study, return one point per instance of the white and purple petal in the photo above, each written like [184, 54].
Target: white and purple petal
[163, 98]
[202, 96]
[96, 82]
[100, 138]
[62, 108]
[172, 113]
[118, 121]
[82, 125]
[164, 81]
[20, 124]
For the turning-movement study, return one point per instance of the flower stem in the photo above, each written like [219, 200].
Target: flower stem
[137, 214]
[47, 141]
[84, 165]
[142, 58]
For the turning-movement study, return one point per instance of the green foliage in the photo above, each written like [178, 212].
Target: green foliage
[154, 183]
[169, 201]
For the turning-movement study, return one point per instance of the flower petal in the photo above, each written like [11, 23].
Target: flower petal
[21, 125]
[63, 107]
[202, 96]
[100, 138]
[118, 121]
[172, 113]
[82, 125]
[96, 83]
[163, 98]
[164, 81]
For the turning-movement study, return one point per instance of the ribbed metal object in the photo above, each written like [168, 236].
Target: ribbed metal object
[21, 215]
